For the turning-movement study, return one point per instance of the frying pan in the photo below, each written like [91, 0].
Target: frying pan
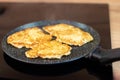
[90, 50]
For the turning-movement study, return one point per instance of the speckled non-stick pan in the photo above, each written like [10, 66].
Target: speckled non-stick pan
[89, 50]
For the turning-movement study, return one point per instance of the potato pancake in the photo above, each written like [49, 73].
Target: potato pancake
[44, 46]
[28, 37]
[49, 49]
[69, 34]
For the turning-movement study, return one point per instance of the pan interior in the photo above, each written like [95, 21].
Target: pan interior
[76, 53]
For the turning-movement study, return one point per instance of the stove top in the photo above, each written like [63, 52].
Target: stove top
[13, 15]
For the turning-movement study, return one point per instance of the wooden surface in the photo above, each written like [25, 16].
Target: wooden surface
[114, 7]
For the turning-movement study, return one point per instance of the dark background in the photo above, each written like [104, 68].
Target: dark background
[13, 15]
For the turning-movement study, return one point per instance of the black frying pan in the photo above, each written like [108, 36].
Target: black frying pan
[90, 50]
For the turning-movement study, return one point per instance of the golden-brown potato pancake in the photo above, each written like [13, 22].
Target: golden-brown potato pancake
[49, 49]
[68, 34]
[28, 37]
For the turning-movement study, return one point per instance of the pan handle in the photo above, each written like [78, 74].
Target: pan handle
[106, 55]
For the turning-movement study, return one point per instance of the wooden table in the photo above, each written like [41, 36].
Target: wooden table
[114, 7]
